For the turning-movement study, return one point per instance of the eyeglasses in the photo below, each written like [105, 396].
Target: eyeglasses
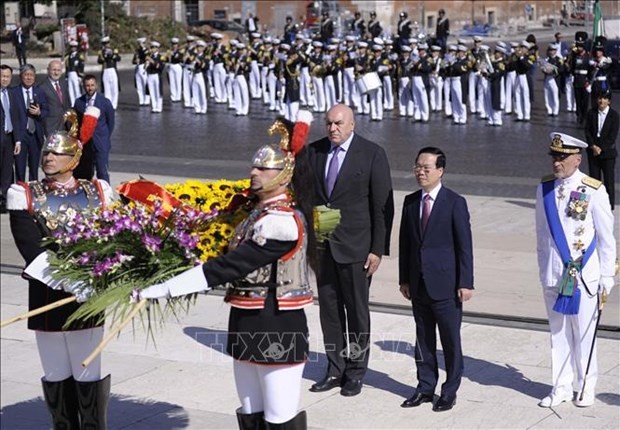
[425, 169]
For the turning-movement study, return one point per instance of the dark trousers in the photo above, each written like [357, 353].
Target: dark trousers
[581, 103]
[6, 164]
[446, 315]
[30, 155]
[344, 287]
[101, 164]
[86, 167]
[603, 169]
[20, 53]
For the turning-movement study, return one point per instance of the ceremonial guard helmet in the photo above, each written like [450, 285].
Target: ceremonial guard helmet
[281, 156]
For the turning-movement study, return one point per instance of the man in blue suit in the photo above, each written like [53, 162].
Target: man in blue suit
[29, 132]
[96, 152]
[436, 273]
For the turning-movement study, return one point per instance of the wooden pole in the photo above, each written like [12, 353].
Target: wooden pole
[38, 311]
[137, 308]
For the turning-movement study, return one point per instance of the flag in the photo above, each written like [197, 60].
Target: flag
[598, 21]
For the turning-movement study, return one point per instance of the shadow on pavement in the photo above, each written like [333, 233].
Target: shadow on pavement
[612, 399]
[481, 371]
[526, 205]
[123, 411]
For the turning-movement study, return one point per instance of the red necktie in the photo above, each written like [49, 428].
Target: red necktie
[426, 212]
[59, 93]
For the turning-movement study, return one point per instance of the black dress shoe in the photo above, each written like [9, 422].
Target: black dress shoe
[416, 400]
[351, 388]
[326, 384]
[444, 403]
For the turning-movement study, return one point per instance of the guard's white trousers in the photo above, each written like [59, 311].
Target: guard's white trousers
[569, 89]
[511, 78]
[473, 86]
[436, 94]
[459, 111]
[405, 102]
[376, 104]
[230, 80]
[305, 87]
[290, 110]
[199, 93]
[219, 83]
[254, 80]
[242, 95]
[330, 91]
[188, 77]
[264, 85]
[522, 98]
[319, 94]
[62, 354]
[483, 90]
[388, 93]
[348, 86]
[141, 84]
[552, 96]
[447, 107]
[154, 91]
[75, 90]
[276, 390]
[571, 340]
[110, 85]
[175, 76]
[420, 98]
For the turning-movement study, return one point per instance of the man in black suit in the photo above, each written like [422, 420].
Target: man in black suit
[352, 174]
[443, 29]
[436, 273]
[31, 106]
[19, 37]
[8, 147]
[601, 128]
[57, 95]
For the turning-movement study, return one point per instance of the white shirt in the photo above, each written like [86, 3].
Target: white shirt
[602, 114]
[344, 148]
[25, 92]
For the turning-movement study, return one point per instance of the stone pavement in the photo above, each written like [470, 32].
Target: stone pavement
[186, 381]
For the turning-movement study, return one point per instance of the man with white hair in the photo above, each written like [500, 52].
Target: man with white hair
[576, 257]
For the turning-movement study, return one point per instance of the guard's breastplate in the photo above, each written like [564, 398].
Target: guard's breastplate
[291, 283]
[55, 206]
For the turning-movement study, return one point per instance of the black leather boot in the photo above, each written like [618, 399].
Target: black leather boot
[253, 421]
[61, 400]
[300, 422]
[93, 400]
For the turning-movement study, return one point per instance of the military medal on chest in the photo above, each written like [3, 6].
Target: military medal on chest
[578, 204]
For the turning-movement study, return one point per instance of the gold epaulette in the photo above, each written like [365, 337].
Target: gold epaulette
[547, 178]
[591, 182]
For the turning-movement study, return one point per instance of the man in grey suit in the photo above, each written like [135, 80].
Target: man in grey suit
[352, 174]
[57, 94]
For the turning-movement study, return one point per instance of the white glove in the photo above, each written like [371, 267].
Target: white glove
[188, 282]
[606, 283]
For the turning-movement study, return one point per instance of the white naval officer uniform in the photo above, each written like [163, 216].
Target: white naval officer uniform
[572, 335]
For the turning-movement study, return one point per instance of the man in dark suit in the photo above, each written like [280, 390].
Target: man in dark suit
[96, 152]
[19, 37]
[58, 100]
[31, 106]
[443, 29]
[436, 273]
[352, 174]
[601, 128]
[8, 147]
